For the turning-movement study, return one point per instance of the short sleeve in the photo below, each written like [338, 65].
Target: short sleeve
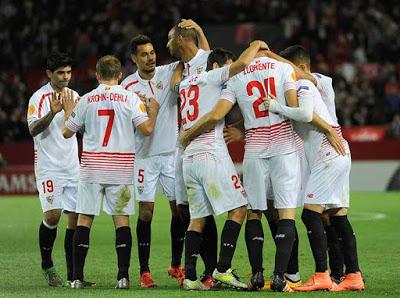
[304, 90]
[33, 109]
[324, 85]
[228, 93]
[218, 76]
[289, 77]
[77, 119]
[139, 114]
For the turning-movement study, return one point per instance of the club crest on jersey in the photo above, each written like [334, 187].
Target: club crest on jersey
[140, 189]
[199, 69]
[31, 110]
[310, 196]
[50, 199]
[159, 85]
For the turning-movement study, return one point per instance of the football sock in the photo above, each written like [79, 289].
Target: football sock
[123, 246]
[254, 236]
[273, 227]
[184, 215]
[47, 236]
[209, 245]
[335, 252]
[177, 240]
[68, 244]
[80, 249]
[143, 232]
[192, 251]
[293, 265]
[229, 236]
[317, 238]
[284, 239]
[345, 231]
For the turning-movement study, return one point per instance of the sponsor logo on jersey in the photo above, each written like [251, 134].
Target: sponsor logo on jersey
[73, 114]
[293, 76]
[159, 85]
[31, 110]
[50, 199]
[303, 87]
[310, 195]
[140, 189]
[142, 108]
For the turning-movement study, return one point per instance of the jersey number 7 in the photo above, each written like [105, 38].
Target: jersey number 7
[110, 114]
[264, 90]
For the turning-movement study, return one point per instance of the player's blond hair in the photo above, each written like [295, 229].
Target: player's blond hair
[108, 67]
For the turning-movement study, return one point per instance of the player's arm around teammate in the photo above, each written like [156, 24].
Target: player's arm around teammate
[222, 107]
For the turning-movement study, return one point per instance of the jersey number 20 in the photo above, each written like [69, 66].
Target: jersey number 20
[267, 88]
[110, 114]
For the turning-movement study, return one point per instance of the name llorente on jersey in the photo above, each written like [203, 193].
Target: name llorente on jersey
[259, 66]
[107, 96]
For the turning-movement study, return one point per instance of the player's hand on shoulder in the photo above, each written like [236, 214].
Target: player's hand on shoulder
[233, 134]
[68, 101]
[55, 103]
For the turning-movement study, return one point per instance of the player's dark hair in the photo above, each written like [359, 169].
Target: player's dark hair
[108, 67]
[58, 59]
[139, 40]
[296, 54]
[188, 34]
[220, 56]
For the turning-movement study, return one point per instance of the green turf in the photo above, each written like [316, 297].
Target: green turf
[375, 217]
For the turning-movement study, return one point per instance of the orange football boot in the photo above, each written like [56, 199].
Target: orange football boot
[350, 282]
[318, 281]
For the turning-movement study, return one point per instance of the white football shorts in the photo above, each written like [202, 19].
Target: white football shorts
[57, 194]
[213, 185]
[148, 171]
[276, 177]
[118, 199]
[327, 182]
[180, 187]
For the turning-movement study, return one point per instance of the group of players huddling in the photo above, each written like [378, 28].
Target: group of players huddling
[295, 156]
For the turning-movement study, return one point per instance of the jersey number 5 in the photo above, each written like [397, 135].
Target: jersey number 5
[267, 88]
[192, 96]
[110, 114]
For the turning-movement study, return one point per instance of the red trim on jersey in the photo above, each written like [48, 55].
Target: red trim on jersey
[151, 88]
[108, 153]
[270, 126]
[130, 84]
[41, 104]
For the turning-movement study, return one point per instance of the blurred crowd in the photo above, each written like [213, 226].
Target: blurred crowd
[356, 42]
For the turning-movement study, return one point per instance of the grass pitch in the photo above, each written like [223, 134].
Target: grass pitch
[375, 218]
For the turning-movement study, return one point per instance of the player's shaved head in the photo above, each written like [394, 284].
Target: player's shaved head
[219, 56]
[139, 40]
[109, 68]
[296, 54]
[187, 34]
[58, 60]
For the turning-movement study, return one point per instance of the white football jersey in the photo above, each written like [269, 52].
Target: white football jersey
[325, 88]
[199, 93]
[109, 115]
[55, 156]
[267, 134]
[316, 145]
[163, 140]
[197, 64]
